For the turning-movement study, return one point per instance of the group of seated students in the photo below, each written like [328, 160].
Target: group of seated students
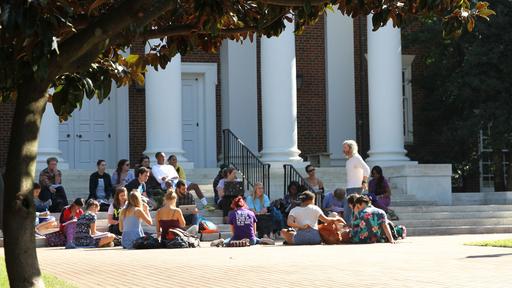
[379, 192]
[164, 186]
[369, 224]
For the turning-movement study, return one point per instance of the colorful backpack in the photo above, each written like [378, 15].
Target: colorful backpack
[207, 226]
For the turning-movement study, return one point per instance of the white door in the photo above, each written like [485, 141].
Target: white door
[85, 137]
[192, 119]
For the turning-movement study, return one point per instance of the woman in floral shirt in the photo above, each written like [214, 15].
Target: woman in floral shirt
[369, 224]
[86, 234]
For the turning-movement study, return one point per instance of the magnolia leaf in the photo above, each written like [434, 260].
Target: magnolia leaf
[95, 5]
[132, 58]
[471, 24]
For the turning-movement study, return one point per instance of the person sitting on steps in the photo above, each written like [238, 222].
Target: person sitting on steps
[314, 182]
[130, 219]
[173, 161]
[258, 202]
[165, 174]
[100, 185]
[216, 181]
[334, 202]
[243, 227]
[86, 234]
[139, 184]
[153, 186]
[44, 221]
[380, 192]
[225, 200]
[50, 180]
[304, 222]
[184, 197]
[123, 175]
[40, 205]
[120, 199]
[170, 217]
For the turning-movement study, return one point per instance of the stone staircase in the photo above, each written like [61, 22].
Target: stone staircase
[456, 219]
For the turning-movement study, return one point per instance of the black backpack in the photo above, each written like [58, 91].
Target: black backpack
[146, 242]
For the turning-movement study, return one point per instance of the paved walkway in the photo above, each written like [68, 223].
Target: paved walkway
[414, 262]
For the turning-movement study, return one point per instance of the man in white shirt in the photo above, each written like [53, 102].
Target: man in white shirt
[357, 175]
[165, 174]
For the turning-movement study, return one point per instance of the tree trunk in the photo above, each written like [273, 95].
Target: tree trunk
[499, 175]
[509, 170]
[19, 211]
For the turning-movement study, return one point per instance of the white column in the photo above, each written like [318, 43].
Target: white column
[279, 98]
[385, 95]
[341, 102]
[163, 111]
[49, 139]
[239, 90]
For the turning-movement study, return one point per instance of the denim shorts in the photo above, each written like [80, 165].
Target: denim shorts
[308, 236]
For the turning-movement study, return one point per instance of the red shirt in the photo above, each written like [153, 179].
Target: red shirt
[67, 216]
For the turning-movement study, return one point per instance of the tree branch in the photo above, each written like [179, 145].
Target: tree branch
[169, 31]
[294, 3]
[106, 27]
[178, 30]
[181, 30]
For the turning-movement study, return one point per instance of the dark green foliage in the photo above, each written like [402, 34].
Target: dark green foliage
[468, 87]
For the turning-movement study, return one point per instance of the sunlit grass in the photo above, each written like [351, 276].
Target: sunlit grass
[50, 281]
[505, 243]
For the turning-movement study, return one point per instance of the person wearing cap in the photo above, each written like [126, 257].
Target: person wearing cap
[304, 221]
[334, 202]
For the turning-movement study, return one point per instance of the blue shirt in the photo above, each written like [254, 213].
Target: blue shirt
[256, 204]
[332, 203]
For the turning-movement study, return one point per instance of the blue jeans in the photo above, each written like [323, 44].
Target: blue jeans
[347, 214]
[308, 236]
[191, 219]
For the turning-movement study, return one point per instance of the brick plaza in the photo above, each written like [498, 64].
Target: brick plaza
[440, 261]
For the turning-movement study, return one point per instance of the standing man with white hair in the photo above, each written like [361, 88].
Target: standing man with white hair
[357, 175]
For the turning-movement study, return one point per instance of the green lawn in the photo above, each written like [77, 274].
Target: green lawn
[50, 281]
[507, 243]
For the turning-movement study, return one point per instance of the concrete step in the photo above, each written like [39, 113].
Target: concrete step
[455, 222]
[455, 215]
[395, 203]
[425, 231]
[461, 208]
[482, 198]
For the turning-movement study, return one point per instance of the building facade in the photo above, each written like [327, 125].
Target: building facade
[286, 98]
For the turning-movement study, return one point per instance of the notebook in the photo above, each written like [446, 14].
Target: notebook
[187, 209]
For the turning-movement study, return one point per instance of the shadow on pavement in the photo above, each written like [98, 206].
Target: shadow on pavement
[490, 255]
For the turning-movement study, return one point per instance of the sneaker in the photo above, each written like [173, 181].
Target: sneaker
[392, 215]
[217, 243]
[267, 241]
[245, 243]
[70, 245]
[208, 207]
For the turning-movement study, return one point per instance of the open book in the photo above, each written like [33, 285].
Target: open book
[99, 235]
[70, 221]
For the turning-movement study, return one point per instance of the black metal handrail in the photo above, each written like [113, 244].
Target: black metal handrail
[291, 174]
[238, 155]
